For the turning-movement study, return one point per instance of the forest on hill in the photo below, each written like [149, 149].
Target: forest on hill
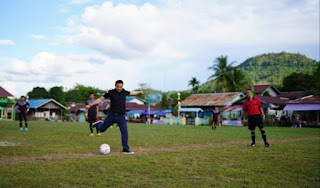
[274, 67]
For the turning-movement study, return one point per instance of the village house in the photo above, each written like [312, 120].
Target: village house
[6, 105]
[45, 109]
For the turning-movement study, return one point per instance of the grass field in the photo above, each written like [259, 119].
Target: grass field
[55, 154]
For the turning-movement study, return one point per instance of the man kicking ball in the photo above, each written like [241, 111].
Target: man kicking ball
[255, 117]
[116, 112]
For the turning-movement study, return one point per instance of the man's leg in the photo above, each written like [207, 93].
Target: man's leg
[110, 120]
[253, 137]
[264, 136]
[90, 121]
[25, 122]
[20, 119]
[122, 123]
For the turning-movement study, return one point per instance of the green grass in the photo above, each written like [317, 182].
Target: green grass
[54, 154]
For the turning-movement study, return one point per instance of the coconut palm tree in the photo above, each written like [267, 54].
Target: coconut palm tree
[237, 80]
[194, 83]
[221, 69]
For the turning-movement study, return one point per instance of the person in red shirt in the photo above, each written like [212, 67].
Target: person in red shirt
[255, 116]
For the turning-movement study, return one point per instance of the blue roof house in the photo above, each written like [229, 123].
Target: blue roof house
[45, 109]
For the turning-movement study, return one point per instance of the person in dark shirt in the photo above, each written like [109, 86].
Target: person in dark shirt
[255, 116]
[22, 107]
[116, 113]
[215, 118]
[92, 114]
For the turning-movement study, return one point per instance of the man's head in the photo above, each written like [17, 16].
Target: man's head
[22, 98]
[249, 93]
[91, 96]
[119, 85]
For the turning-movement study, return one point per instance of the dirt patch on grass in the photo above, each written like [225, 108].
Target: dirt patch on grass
[5, 143]
[140, 150]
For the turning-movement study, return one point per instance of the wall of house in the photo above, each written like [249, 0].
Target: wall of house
[136, 101]
[51, 105]
[42, 114]
[271, 92]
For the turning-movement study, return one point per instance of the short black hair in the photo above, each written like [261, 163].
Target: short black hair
[22, 97]
[91, 93]
[119, 82]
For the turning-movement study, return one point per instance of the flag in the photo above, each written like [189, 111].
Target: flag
[27, 98]
[252, 91]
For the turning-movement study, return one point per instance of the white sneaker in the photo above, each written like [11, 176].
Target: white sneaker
[127, 151]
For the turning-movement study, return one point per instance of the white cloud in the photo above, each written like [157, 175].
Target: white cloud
[77, 2]
[39, 37]
[47, 70]
[6, 42]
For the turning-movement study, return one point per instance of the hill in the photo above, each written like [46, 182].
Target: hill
[273, 67]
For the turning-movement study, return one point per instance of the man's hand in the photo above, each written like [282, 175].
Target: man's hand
[87, 117]
[88, 106]
[263, 117]
[97, 117]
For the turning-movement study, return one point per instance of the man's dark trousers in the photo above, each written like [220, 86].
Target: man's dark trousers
[120, 119]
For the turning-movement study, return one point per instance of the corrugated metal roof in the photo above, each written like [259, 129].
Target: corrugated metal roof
[4, 93]
[311, 99]
[210, 99]
[36, 103]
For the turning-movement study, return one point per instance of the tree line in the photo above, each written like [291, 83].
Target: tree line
[79, 93]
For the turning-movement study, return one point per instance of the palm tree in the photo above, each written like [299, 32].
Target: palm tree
[194, 83]
[237, 80]
[221, 70]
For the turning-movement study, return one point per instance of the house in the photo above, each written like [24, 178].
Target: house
[206, 101]
[77, 112]
[6, 105]
[305, 109]
[197, 108]
[46, 109]
[135, 99]
[265, 90]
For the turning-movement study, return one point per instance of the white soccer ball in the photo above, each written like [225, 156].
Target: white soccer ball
[104, 149]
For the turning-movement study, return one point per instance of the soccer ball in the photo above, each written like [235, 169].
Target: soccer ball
[104, 149]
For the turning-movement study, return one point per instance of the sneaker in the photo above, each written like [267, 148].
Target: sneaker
[111, 126]
[267, 144]
[21, 129]
[95, 124]
[26, 129]
[91, 135]
[127, 151]
[99, 134]
[252, 145]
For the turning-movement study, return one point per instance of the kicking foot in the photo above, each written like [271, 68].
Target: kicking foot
[97, 123]
[127, 151]
[26, 129]
[267, 144]
[99, 134]
[91, 135]
[21, 129]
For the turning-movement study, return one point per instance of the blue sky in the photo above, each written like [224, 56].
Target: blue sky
[163, 43]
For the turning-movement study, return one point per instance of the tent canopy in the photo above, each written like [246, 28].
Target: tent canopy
[301, 107]
[135, 111]
[190, 110]
[153, 112]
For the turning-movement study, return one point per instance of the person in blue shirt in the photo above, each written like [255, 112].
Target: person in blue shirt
[22, 107]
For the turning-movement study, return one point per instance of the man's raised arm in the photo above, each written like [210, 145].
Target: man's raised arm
[136, 92]
[99, 100]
